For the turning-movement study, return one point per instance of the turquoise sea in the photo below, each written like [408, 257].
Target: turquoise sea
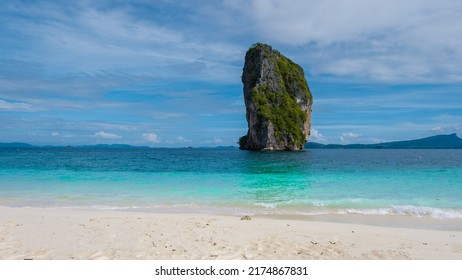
[231, 181]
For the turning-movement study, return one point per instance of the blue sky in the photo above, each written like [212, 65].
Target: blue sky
[167, 73]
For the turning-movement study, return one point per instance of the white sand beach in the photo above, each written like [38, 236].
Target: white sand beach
[35, 233]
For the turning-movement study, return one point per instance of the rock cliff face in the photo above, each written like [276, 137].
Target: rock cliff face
[277, 100]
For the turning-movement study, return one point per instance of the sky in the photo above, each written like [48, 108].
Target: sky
[167, 73]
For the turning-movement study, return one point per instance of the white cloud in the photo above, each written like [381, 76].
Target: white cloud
[437, 129]
[374, 140]
[214, 141]
[445, 129]
[181, 139]
[331, 21]
[151, 137]
[120, 38]
[105, 135]
[102, 39]
[315, 135]
[167, 115]
[347, 137]
[14, 106]
[388, 41]
[68, 136]
[117, 25]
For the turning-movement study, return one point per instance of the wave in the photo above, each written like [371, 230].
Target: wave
[276, 208]
[282, 208]
[408, 210]
[338, 207]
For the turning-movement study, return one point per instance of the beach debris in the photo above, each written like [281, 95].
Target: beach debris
[246, 218]
[404, 254]
[314, 242]
[332, 242]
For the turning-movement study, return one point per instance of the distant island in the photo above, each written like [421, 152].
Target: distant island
[450, 141]
[17, 145]
[104, 146]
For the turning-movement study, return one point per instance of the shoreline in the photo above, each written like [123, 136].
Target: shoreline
[386, 221]
[380, 220]
[39, 233]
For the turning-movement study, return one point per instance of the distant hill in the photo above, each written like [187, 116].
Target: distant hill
[450, 141]
[111, 146]
[99, 146]
[16, 145]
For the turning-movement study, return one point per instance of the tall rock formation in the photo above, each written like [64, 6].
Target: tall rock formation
[277, 100]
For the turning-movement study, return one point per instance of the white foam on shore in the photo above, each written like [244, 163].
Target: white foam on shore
[297, 206]
[266, 205]
[280, 208]
[408, 210]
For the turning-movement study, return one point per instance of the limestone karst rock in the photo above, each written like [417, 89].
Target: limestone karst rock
[277, 99]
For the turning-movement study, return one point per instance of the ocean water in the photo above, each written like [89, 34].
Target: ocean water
[230, 181]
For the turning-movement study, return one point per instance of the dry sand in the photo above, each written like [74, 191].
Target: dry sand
[34, 233]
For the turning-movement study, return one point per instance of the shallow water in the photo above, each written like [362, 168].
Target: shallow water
[230, 181]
